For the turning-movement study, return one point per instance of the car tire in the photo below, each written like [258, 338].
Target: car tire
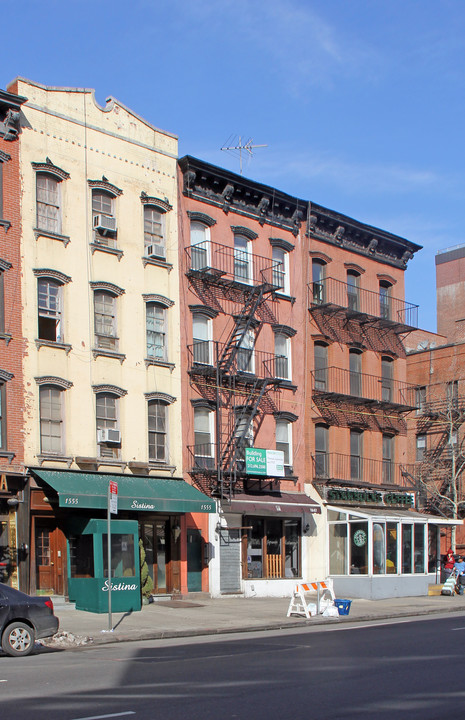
[18, 639]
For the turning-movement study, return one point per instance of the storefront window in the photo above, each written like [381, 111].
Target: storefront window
[292, 559]
[407, 548]
[358, 548]
[432, 548]
[273, 547]
[391, 547]
[338, 548]
[419, 556]
[379, 548]
[122, 555]
[81, 556]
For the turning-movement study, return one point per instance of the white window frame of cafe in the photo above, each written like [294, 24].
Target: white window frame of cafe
[373, 521]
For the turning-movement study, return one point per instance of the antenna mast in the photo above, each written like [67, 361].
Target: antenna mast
[247, 146]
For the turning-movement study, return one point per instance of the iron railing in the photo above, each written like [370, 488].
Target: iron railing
[203, 356]
[220, 262]
[338, 381]
[352, 468]
[356, 300]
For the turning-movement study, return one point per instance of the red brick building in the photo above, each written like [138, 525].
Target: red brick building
[13, 503]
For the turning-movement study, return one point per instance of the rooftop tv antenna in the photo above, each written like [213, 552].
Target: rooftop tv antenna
[234, 146]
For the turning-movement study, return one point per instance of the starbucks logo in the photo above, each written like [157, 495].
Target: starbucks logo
[360, 538]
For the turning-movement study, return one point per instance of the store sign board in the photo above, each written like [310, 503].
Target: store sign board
[379, 498]
[264, 462]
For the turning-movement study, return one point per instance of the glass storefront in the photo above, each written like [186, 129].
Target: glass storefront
[272, 546]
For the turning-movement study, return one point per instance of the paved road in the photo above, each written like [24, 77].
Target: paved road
[410, 669]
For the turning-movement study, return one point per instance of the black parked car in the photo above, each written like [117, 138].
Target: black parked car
[23, 620]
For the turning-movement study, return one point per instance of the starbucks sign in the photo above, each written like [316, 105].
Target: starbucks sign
[360, 538]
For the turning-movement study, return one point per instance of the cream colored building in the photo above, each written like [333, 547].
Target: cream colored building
[100, 285]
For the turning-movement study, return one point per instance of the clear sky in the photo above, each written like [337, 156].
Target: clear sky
[360, 102]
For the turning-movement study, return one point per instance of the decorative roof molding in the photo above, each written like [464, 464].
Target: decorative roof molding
[10, 127]
[109, 287]
[386, 278]
[112, 389]
[55, 274]
[204, 310]
[285, 415]
[54, 380]
[162, 205]
[5, 265]
[160, 299]
[229, 192]
[49, 167]
[241, 230]
[201, 217]
[103, 184]
[284, 330]
[283, 244]
[4, 157]
[5, 375]
[354, 267]
[317, 255]
[163, 397]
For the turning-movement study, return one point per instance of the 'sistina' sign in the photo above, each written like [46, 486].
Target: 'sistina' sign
[115, 587]
[380, 498]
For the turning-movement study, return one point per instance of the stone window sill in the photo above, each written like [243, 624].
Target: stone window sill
[99, 352]
[158, 263]
[55, 345]
[51, 457]
[105, 249]
[8, 455]
[65, 239]
[159, 363]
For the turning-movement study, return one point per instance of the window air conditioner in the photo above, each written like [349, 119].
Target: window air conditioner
[104, 223]
[154, 251]
[107, 435]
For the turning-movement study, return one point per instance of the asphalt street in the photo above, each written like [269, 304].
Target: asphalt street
[403, 669]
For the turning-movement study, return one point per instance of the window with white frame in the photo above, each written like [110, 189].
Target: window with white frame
[200, 245]
[103, 218]
[243, 432]
[281, 270]
[282, 351]
[284, 441]
[242, 259]
[107, 421]
[204, 449]
[202, 334]
[48, 203]
[156, 339]
[154, 232]
[158, 431]
[420, 447]
[105, 320]
[51, 419]
[50, 301]
[245, 357]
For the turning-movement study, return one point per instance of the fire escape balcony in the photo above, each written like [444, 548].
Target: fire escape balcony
[356, 470]
[364, 306]
[227, 266]
[247, 365]
[202, 458]
[340, 385]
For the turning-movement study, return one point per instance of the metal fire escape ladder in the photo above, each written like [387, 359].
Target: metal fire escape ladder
[242, 324]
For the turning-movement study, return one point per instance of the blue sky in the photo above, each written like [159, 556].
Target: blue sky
[360, 102]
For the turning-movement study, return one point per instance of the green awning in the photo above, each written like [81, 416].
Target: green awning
[150, 494]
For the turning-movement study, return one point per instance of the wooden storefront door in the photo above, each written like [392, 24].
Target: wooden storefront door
[156, 539]
[50, 557]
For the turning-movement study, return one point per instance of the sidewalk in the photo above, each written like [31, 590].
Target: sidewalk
[203, 615]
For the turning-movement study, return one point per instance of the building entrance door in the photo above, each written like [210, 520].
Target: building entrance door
[50, 557]
[4, 550]
[156, 539]
[194, 560]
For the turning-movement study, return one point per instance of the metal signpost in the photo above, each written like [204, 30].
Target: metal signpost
[111, 508]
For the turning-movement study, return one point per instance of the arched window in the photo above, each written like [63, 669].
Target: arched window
[50, 306]
[200, 245]
[156, 331]
[281, 270]
[385, 300]
[243, 271]
[48, 202]
[105, 320]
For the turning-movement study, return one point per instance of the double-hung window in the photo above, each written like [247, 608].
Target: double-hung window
[107, 420]
[156, 339]
[245, 353]
[281, 270]
[353, 290]
[282, 349]
[103, 218]
[242, 259]
[284, 441]
[158, 431]
[200, 245]
[51, 419]
[48, 203]
[204, 450]
[50, 299]
[154, 232]
[201, 332]
[105, 320]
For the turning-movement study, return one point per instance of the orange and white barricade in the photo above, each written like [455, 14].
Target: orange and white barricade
[299, 604]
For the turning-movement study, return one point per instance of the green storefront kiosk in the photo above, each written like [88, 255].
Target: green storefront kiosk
[88, 582]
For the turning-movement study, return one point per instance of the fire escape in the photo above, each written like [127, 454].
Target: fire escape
[440, 463]
[362, 319]
[238, 382]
